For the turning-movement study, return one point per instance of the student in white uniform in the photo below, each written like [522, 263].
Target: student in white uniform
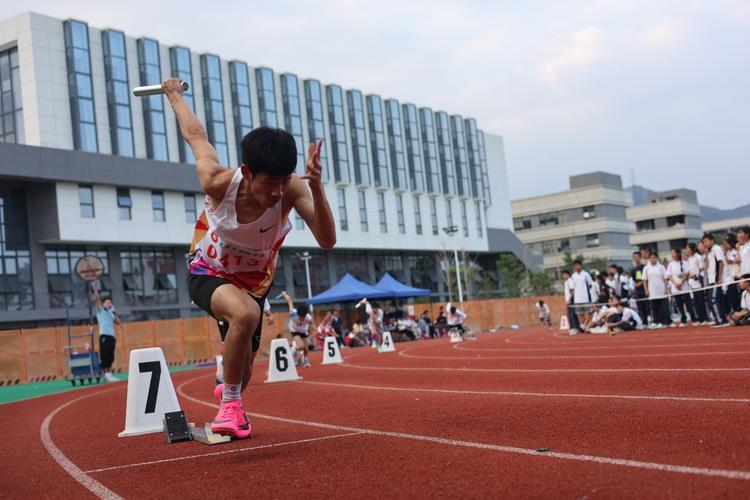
[742, 317]
[629, 320]
[695, 271]
[743, 241]
[678, 287]
[655, 281]
[581, 284]
[731, 272]
[715, 277]
[575, 326]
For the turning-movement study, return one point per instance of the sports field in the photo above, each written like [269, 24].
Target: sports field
[531, 413]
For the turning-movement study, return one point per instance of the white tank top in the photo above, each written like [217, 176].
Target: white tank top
[244, 254]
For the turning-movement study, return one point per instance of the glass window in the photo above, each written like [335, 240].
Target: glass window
[266, 96]
[16, 286]
[315, 124]
[149, 276]
[190, 212]
[478, 214]
[413, 148]
[65, 286]
[377, 141]
[343, 219]
[474, 163]
[592, 240]
[213, 99]
[445, 152]
[434, 217]
[86, 200]
[157, 203]
[429, 150]
[675, 220]
[645, 225]
[293, 116]
[464, 219]
[483, 163]
[418, 214]
[149, 66]
[400, 214]
[124, 204]
[459, 155]
[589, 212]
[396, 142]
[338, 134]
[449, 212]
[381, 213]
[362, 211]
[80, 86]
[360, 159]
[118, 96]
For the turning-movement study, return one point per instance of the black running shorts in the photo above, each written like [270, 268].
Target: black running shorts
[201, 288]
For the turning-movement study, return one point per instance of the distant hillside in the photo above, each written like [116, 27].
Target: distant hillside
[641, 194]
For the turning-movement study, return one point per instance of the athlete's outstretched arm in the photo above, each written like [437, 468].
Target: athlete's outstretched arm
[213, 177]
[311, 203]
[289, 302]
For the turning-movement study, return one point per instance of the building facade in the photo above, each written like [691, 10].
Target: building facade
[669, 220]
[86, 168]
[589, 220]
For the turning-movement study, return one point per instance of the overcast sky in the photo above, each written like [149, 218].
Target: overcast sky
[657, 88]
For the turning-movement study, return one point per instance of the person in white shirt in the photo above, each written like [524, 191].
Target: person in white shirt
[655, 281]
[743, 241]
[581, 284]
[695, 269]
[715, 276]
[731, 272]
[742, 317]
[300, 321]
[568, 293]
[629, 319]
[678, 286]
[542, 310]
[456, 318]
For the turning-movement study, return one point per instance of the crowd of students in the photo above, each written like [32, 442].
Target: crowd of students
[706, 283]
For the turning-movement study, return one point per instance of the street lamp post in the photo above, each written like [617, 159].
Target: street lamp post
[450, 231]
[305, 256]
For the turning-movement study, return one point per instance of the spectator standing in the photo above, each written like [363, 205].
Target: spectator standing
[715, 277]
[106, 317]
[678, 288]
[655, 282]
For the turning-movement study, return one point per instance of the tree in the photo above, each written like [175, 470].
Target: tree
[540, 283]
[447, 271]
[513, 275]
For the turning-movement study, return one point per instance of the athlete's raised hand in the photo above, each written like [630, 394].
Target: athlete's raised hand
[314, 169]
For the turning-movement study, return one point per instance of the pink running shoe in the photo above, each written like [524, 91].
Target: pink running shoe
[219, 391]
[231, 421]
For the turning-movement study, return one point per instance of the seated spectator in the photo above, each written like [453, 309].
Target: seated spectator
[628, 320]
[441, 323]
[426, 329]
[742, 317]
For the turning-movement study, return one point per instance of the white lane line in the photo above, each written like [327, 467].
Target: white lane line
[64, 462]
[682, 469]
[583, 356]
[542, 370]
[460, 347]
[534, 394]
[200, 455]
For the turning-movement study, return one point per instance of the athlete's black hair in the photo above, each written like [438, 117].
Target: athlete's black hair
[270, 151]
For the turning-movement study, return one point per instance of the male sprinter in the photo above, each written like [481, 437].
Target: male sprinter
[238, 236]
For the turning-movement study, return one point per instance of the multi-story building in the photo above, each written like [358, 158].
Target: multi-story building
[723, 226]
[86, 168]
[669, 220]
[589, 220]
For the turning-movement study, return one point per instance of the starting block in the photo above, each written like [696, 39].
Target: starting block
[176, 427]
[455, 336]
[205, 436]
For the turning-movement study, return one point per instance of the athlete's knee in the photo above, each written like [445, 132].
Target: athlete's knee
[245, 320]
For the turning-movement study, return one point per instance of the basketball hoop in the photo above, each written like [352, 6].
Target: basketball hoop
[89, 268]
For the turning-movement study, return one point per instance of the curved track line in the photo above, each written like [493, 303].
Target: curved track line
[64, 462]
[543, 370]
[533, 394]
[682, 469]
[603, 356]
[458, 347]
[239, 450]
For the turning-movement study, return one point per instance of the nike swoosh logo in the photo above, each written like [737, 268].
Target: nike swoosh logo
[266, 229]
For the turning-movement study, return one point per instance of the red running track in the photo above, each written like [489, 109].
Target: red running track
[647, 415]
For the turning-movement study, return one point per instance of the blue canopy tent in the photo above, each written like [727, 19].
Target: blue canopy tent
[348, 289]
[396, 289]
